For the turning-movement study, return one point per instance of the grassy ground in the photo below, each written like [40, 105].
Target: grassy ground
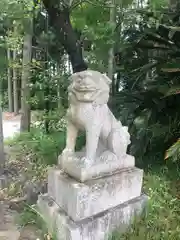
[162, 220]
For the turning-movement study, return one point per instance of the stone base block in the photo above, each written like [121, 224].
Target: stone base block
[100, 227]
[105, 164]
[83, 200]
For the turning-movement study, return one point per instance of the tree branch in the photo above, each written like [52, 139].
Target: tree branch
[89, 2]
[60, 21]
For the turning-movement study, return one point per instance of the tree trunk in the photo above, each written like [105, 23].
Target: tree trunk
[47, 91]
[2, 155]
[111, 50]
[26, 74]
[59, 102]
[15, 85]
[10, 89]
[59, 18]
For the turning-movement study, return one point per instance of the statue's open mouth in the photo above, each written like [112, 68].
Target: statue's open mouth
[85, 89]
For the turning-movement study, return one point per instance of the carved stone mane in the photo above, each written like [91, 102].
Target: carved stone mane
[88, 111]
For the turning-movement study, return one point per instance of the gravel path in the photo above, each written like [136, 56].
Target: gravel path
[8, 228]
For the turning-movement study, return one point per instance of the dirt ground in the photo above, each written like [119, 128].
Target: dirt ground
[9, 230]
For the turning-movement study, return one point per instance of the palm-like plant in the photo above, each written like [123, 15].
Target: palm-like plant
[150, 97]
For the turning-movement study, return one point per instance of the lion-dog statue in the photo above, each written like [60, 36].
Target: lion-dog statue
[88, 111]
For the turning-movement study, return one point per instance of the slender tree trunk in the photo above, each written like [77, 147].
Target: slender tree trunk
[59, 18]
[59, 95]
[2, 155]
[25, 79]
[111, 50]
[59, 89]
[118, 81]
[10, 88]
[15, 85]
[47, 91]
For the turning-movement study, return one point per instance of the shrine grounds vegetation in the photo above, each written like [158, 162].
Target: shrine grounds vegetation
[145, 93]
[161, 220]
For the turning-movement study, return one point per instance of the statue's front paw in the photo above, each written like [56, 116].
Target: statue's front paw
[65, 155]
[67, 151]
[86, 162]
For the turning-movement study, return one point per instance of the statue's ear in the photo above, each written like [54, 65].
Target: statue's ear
[107, 79]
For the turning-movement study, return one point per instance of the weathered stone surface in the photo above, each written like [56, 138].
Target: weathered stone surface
[105, 164]
[82, 200]
[88, 111]
[99, 227]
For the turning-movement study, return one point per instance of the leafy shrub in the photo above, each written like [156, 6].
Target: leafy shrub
[30, 155]
[150, 96]
[40, 147]
[56, 120]
[173, 152]
[32, 216]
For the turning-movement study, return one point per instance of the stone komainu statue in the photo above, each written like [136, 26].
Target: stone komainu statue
[88, 111]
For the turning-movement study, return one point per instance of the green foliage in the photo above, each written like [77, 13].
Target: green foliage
[161, 219]
[55, 119]
[150, 92]
[156, 5]
[174, 151]
[31, 216]
[146, 38]
[16, 10]
[97, 32]
[55, 84]
[92, 20]
[39, 147]
[32, 153]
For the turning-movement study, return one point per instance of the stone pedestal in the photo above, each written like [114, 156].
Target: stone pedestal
[98, 227]
[83, 200]
[105, 164]
[79, 209]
